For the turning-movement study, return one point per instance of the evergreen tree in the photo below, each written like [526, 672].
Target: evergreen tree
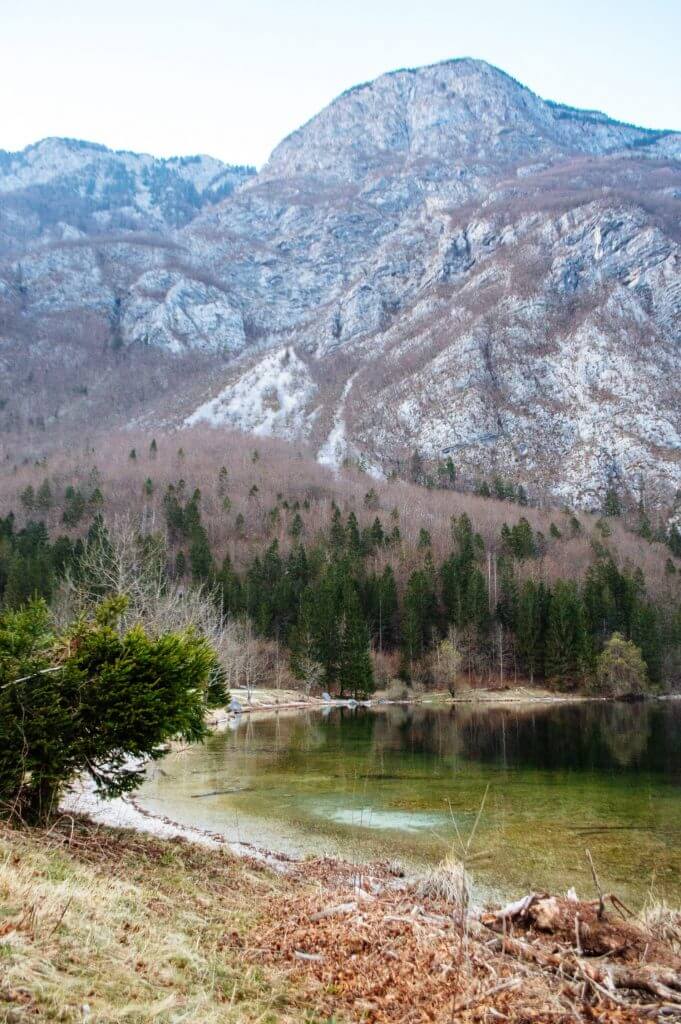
[566, 644]
[424, 539]
[43, 499]
[355, 670]
[337, 532]
[27, 498]
[200, 556]
[531, 627]
[230, 588]
[674, 540]
[612, 506]
[419, 617]
[354, 542]
[74, 507]
[297, 526]
[90, 700]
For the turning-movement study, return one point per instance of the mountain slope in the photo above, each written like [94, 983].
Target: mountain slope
[438, 260]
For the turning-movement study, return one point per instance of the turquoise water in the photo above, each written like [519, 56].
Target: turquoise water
[408, 782]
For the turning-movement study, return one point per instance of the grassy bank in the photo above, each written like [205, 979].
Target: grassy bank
[104, 926]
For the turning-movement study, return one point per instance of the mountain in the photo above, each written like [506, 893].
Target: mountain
[440, 260]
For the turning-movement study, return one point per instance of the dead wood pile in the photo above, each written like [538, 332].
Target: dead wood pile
[374, 950]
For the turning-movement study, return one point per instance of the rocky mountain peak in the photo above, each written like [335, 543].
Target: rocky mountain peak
[458, 112]
[439, 260]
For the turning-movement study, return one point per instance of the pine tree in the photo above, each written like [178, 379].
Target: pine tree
[297, 526]
[612, 506]
[43, 499]
[74, 507]
[530, 628]
[337, 532]
[27, 498]
[230, 588]
[377, 534]
[424, 539]
[419, 617]
[566, 645]
[88, 701]
[355, 670]
[354, 542]
[200, 556]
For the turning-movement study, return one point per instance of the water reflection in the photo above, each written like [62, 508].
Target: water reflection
[397, 781]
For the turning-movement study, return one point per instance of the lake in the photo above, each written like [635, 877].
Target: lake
[407, 783]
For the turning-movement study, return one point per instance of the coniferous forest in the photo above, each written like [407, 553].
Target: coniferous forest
[357, 592]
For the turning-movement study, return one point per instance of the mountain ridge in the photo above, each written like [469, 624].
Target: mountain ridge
[436, 259]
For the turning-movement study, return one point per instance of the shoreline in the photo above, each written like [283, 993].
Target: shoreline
[268, 701]
[126, 813]
[104, 924]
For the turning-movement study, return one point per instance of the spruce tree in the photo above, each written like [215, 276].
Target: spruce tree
[355, 670]
[200, 556]
[566, 644]
[43, 499]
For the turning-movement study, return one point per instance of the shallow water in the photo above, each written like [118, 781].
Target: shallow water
[408, 782]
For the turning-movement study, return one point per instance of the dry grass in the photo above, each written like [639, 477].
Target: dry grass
[663, 922]
[106, 926]
[111, 927]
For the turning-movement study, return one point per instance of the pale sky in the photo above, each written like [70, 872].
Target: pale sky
[233, 78]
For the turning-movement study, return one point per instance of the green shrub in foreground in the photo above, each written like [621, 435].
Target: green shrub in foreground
[90, 700]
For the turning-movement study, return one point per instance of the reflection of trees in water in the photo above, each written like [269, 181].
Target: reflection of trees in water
[396, 739]
[590, 736]
[626, 730]
[417, 732]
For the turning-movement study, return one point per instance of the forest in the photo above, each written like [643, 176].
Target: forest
[356, 584]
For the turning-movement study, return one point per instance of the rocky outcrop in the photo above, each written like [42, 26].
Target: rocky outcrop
[440, 260]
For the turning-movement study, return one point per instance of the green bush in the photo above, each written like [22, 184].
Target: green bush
[91, 700]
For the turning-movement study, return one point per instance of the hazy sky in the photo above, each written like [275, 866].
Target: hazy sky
[232, 78]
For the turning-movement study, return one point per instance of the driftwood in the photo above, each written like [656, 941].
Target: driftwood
[618, 948]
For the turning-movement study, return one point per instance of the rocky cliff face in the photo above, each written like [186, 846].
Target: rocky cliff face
[440, 260]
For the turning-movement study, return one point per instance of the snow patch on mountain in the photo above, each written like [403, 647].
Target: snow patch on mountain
[269, 399]
[335, 448]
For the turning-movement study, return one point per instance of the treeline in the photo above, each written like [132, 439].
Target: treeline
[348, 612]
[329, 604]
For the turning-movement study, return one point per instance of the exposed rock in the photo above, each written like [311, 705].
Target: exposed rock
[440, 259]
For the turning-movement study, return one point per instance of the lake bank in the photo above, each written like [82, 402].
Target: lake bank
[266, 699]
[104, 925]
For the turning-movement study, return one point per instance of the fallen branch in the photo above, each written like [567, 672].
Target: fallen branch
[341, 908]
[474, 1000]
